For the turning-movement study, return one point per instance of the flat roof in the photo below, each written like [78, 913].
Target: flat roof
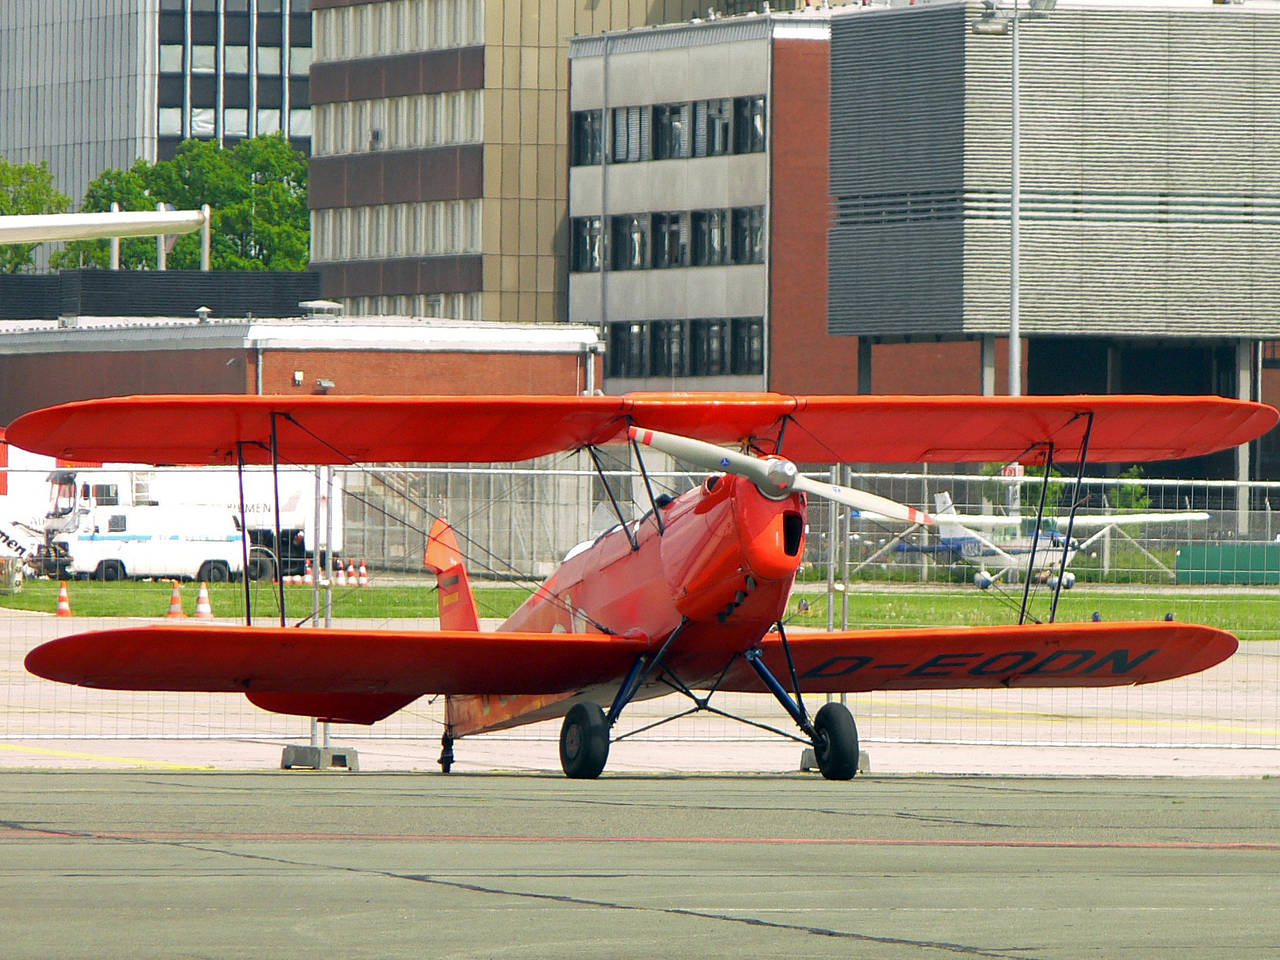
[419, 334]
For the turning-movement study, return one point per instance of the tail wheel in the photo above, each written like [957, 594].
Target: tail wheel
[835, 742]
[584, 742]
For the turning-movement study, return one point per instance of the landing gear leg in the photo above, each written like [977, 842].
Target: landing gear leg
[446, 752]
[835, 742]
[584, 742]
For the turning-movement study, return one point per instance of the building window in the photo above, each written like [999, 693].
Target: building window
[170, 122]
[747, 345]
[668, 351]
[670, 240]
[203, 58]
[710, 233]
[712, 125]
[708, 347]
[586, 133]
[584, 249]
[629, 241]
[671, 131]
[171, 58]
[747, 243]
[630, 134]
[626, 350]
[748, 124]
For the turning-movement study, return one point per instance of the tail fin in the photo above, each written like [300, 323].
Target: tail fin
[457, 603]
[944, 508]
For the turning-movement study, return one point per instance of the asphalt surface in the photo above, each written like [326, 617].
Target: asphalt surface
[309, 864]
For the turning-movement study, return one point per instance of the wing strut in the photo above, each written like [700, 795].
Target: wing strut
[244, 536]
[275, 485]
[1071, 517]
[648, 488]
[1035, 533]
[608, 488]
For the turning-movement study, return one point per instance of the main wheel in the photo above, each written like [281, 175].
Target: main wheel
[836, 742]
[109, 570]
[214, 571]
[584, 742]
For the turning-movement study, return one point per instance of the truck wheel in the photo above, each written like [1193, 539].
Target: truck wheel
[214, 571]
[109, 570]
[262, 566]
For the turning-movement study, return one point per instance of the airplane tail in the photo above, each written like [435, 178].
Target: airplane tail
[457, 602]
[948, 530]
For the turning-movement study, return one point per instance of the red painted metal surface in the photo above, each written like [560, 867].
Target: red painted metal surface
[216, 429]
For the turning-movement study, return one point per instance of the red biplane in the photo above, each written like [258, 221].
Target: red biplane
[688, 598]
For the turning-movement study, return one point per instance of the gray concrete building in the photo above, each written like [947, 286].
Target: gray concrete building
[92, 86]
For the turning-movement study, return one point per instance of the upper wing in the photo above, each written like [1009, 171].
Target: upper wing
[357, 676]
[220, 429]
[1030, 655]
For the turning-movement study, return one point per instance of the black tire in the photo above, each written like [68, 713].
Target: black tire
[262, 566]
[835, 743]
[214, 571]
[109, 570]
[584, 742]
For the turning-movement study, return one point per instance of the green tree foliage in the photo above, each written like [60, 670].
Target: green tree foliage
[25, 189]
[257, 191]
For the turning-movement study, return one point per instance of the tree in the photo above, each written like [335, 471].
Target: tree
[26, 188]
[257, 191]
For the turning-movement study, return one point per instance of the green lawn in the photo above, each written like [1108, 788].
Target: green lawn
[1251, 615]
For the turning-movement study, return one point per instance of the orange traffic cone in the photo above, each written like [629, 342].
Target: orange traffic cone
[363, 579]
[351, 572]
[175, 602]
[203, 610]
[341, 577]
[308, 577]
[64, 602]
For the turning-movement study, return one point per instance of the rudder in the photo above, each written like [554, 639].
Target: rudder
[457, 602]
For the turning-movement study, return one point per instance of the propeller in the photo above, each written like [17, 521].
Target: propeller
[774, 477]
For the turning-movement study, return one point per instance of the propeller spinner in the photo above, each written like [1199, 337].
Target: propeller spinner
[774, 477]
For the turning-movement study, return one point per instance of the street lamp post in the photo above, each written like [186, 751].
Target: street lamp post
[1002, 20]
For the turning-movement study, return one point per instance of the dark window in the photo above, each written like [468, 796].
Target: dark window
[712, 125]
[670, 240]
[204, 28]
[106, 494]
[169, 91]
[204, 90]
[300, 30]
[236, 91]
[299, 94]
[116, 523]
[668, 352]
[710, 237]
[747, 244]
[269, 31]
[586, 137]
[629, 241]
[237, 27]
[167, 147]
[708, 347]
[301, 144]
[747, 345]
[269, 92]
[584, 244]
[626, 349]
[670, 131]
[172, 26]
[748, 124]
[630, 134]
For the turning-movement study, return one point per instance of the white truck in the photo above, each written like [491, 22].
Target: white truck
[144, 522]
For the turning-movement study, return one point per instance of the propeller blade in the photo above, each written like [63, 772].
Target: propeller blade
[773, 478]
[861, 500]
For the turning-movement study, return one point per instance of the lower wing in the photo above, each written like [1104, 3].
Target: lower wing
[1030, 655]
[344, 675]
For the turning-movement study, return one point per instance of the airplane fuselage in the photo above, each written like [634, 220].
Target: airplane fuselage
[720, 571]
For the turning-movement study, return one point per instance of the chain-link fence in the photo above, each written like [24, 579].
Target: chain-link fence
[1140, 549]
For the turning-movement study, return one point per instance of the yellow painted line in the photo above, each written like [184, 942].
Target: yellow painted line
[72, 755]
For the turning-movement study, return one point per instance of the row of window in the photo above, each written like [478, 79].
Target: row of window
[236, 25]
[397, 26]
[455, 306]
[703, 347]
[400, 123]
[669, 131]
[235, 59]
[202, 91]
[392, 230]
[657, 241]
[235, 122]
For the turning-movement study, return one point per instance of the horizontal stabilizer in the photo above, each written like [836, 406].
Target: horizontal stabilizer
[1030, 655]
[278, 660]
